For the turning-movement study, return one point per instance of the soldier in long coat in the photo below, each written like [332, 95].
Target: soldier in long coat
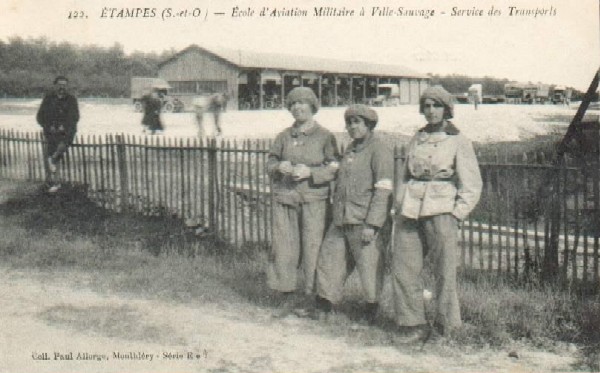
[152, 107]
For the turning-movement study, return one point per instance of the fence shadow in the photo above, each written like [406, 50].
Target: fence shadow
[71, 213]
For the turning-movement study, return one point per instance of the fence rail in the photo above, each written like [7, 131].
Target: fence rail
[223, 187]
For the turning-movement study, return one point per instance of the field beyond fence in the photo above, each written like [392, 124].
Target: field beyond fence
[532, 213]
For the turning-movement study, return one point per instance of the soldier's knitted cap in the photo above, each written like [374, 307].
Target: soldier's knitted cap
[439, 94]
[304, 95]
[360, 110]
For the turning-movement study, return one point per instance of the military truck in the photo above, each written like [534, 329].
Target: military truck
[561, 95]
[475, 93]
[389, 95]
[141, 86]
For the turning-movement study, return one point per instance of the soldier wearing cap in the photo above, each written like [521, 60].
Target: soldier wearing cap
[361, 203]
[302, 163]
[439, 186]
[58, 115]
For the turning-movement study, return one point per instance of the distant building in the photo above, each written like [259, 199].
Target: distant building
[260, 80]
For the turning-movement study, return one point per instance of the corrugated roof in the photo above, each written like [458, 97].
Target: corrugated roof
[246, 59]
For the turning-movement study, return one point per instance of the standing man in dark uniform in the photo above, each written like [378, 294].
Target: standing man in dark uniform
[58, 115]
[152, 107]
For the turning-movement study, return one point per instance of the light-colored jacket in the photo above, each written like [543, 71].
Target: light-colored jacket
[440, 175]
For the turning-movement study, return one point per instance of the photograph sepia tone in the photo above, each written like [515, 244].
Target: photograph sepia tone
[299, 186]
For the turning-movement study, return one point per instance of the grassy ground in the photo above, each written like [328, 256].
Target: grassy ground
[158, 258]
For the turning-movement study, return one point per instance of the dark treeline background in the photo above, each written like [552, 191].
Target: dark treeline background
[28, 67]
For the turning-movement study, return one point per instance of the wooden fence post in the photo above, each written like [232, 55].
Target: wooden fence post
[550, 261]
[123, 174]
[212, 183]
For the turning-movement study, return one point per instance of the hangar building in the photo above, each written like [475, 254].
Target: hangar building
[260, 80]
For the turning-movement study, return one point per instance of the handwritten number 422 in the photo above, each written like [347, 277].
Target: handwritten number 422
[75, 14]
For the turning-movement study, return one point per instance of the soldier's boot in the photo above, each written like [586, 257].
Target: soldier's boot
[371, 311]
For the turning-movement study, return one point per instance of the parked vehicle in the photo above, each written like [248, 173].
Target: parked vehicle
[561, 95]
[141, 86]
[389, 95]
[475, 93]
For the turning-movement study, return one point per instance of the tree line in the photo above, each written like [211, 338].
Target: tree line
[28, 67]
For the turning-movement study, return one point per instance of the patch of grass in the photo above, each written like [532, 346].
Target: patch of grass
[499, 310]
[538, 149]
[156, 258]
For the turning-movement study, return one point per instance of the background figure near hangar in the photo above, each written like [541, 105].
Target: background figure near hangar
[214, 103]
[152, 104]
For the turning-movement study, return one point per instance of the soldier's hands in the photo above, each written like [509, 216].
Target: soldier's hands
[301, 171]
[285, 167]
[333, 165]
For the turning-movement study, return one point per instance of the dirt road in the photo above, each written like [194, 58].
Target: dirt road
[47, 320]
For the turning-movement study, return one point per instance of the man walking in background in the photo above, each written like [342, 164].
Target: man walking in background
[217, 103]
[214, 103]
[58, 115]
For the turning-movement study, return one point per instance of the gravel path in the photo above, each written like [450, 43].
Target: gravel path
[58, 317]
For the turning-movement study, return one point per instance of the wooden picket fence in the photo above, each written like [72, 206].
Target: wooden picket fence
[221, 186]
[531, 211]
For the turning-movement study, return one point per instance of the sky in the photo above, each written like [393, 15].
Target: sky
[560, 44]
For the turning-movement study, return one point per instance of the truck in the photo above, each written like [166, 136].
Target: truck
[543, 93]
[475, 93]
[389, 95]
[141, 86]
[520, 93]
[561, 95]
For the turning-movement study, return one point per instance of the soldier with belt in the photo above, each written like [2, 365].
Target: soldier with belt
[438, 187]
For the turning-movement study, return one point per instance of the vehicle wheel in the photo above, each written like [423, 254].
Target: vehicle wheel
[168, 108]
[138, 107]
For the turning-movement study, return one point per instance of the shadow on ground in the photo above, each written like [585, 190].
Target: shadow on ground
[73, 214]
